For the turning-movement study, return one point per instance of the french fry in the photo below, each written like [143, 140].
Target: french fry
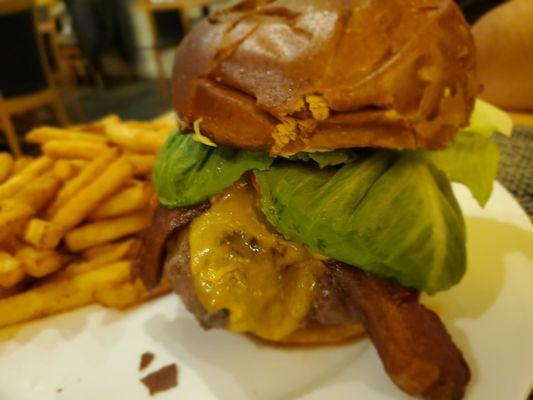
[160, 126]
[47, 134]
[74, 149]
[21, 163]
[39, 193]
[48, 235]
[61, 295]
[107, 230]
[130, 199]
[127, 294]
[86, 173]
[119, 253]
[64, 170]
[79, 164]
[6, 166]
[99, 126]
[38, 262]
[80, 268]
[42, 234]
[142, 164]
[12, 212]
[135, 140]
[4, 292]
[113, 251]
[13, 217]
[24, 177]
[84, 178]
[11, 271]
[88, 198]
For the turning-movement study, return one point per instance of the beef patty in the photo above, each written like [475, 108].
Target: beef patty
[328, 307]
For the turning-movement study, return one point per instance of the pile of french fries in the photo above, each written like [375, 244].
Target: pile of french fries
[70, 218]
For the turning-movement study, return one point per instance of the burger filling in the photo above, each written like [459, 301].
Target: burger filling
[239, 264]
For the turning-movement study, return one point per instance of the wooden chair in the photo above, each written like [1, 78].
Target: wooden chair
[169, 23]
[46, 26]
[64, 62]
[25, 79]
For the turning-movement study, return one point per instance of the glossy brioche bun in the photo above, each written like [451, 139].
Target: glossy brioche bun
[326, 74]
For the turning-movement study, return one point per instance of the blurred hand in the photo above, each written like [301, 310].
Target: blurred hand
[504, 39]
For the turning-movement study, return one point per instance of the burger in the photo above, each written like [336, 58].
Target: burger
[306, 198]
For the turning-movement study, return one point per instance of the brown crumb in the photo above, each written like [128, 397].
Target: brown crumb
[164, 379]
[146, 360]
[60, 390]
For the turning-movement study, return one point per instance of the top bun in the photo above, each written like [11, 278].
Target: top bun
[296, 75]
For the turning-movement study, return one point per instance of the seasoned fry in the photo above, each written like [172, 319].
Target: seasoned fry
[142, 164]
[80, 268]
[21, 163]
[64, 170]
[6, 166]
[38, 262]
[84, 178]
[24, 177]
[159, 126]
[78, 207]
[13, 216]
[4, 292]
[39, 193]
[119, 250]
[79, 164]
[61, 295]
[99, 126]
[85, 174]
[105, 231]
[42, 234]
[116, 252]
[138, 141]
[127, 294]
[11, 271]
[47, 134]
[74, 149]
[12, 212]
[131, 199]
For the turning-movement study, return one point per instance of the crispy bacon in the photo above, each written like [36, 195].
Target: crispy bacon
[415, 348]
[149, 263]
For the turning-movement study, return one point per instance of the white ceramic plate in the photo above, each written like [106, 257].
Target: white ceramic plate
[94, 353]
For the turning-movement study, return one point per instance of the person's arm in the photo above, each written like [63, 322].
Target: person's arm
[504, 40]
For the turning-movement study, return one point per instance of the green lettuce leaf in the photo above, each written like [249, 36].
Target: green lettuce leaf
[187, 172]
[326, 159]
[474, 156]
[488, 119]
[389, 214]
[472, 160]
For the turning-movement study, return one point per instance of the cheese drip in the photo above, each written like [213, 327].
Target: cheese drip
[238, 264]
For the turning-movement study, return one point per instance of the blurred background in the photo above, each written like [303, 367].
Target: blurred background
[74, 61]
[97, 56]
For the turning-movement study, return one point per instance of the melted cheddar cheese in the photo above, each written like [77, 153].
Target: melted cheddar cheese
[238, 264]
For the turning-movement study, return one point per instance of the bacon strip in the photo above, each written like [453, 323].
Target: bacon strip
[415, 348]
[149, 263]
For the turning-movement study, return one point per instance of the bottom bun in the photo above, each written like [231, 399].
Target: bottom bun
[324, 335]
